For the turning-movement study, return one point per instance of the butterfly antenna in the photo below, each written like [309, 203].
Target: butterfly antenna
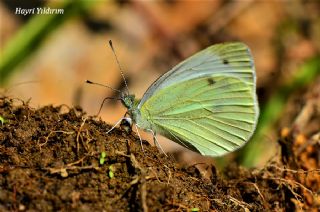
[104, 100]
[120, 68]
[95, 83]
[21, 83]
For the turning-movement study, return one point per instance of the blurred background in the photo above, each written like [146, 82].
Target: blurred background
[46, 58]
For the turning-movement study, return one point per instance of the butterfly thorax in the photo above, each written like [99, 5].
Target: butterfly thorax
[131, 103]
[127, 100]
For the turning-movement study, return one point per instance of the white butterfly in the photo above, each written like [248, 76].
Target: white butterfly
[206, 103]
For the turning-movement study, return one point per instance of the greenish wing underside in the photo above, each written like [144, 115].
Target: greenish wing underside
[226, 59]
[213, 114]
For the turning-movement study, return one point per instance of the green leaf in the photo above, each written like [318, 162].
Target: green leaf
[102, 158]
[111, 172]
[2, 120]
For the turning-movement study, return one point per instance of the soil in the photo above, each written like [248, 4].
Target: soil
[58, 158]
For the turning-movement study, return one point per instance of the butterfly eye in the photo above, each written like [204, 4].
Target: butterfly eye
[132, 98]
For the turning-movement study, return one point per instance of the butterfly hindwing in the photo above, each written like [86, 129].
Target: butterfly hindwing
[213, 115]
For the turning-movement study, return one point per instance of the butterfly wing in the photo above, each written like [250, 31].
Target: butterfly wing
[229, 59]
[213, 115]
[206, 103]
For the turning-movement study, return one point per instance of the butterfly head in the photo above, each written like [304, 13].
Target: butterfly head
[127, 100]
[131, 104]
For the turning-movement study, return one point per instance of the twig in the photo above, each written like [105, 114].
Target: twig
[76, 162]
[70, 166]
[242, 204]
[155, 175]
[289, 182]
[50, 133]
[170, 175]
[258, 190]
[63, 171]
[293, 171]
[122, 154]
[78, 134]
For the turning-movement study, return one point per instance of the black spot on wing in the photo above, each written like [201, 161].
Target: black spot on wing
[225, 61]
[211, 81]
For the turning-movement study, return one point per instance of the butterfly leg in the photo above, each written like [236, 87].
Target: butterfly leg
[156, 143]
[119, 121]
[139, 137]
[114, 126]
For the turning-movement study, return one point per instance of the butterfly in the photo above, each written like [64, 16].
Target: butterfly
[207, 103]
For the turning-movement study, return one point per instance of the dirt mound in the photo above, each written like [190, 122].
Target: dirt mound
[57, 158]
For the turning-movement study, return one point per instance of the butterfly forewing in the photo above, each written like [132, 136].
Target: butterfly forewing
[229, 59]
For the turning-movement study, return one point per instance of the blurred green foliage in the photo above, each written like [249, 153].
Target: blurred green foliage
[270, 113]
[34, 32]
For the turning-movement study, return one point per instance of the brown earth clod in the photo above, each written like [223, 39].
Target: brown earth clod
[49, 160]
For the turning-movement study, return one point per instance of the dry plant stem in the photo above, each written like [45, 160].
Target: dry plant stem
[201, 198]
[292, 170]
[290, 182]
[76, 162]
[170, 175]
[294, 183]
[78, 134]
[242, 204]
[220, 202]
[150, 168]
[155, 175]
[85, 144]
[71, 166]
[61, 170]
[50, 133]
[296, 196]
[259, 192]
[122, 154]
